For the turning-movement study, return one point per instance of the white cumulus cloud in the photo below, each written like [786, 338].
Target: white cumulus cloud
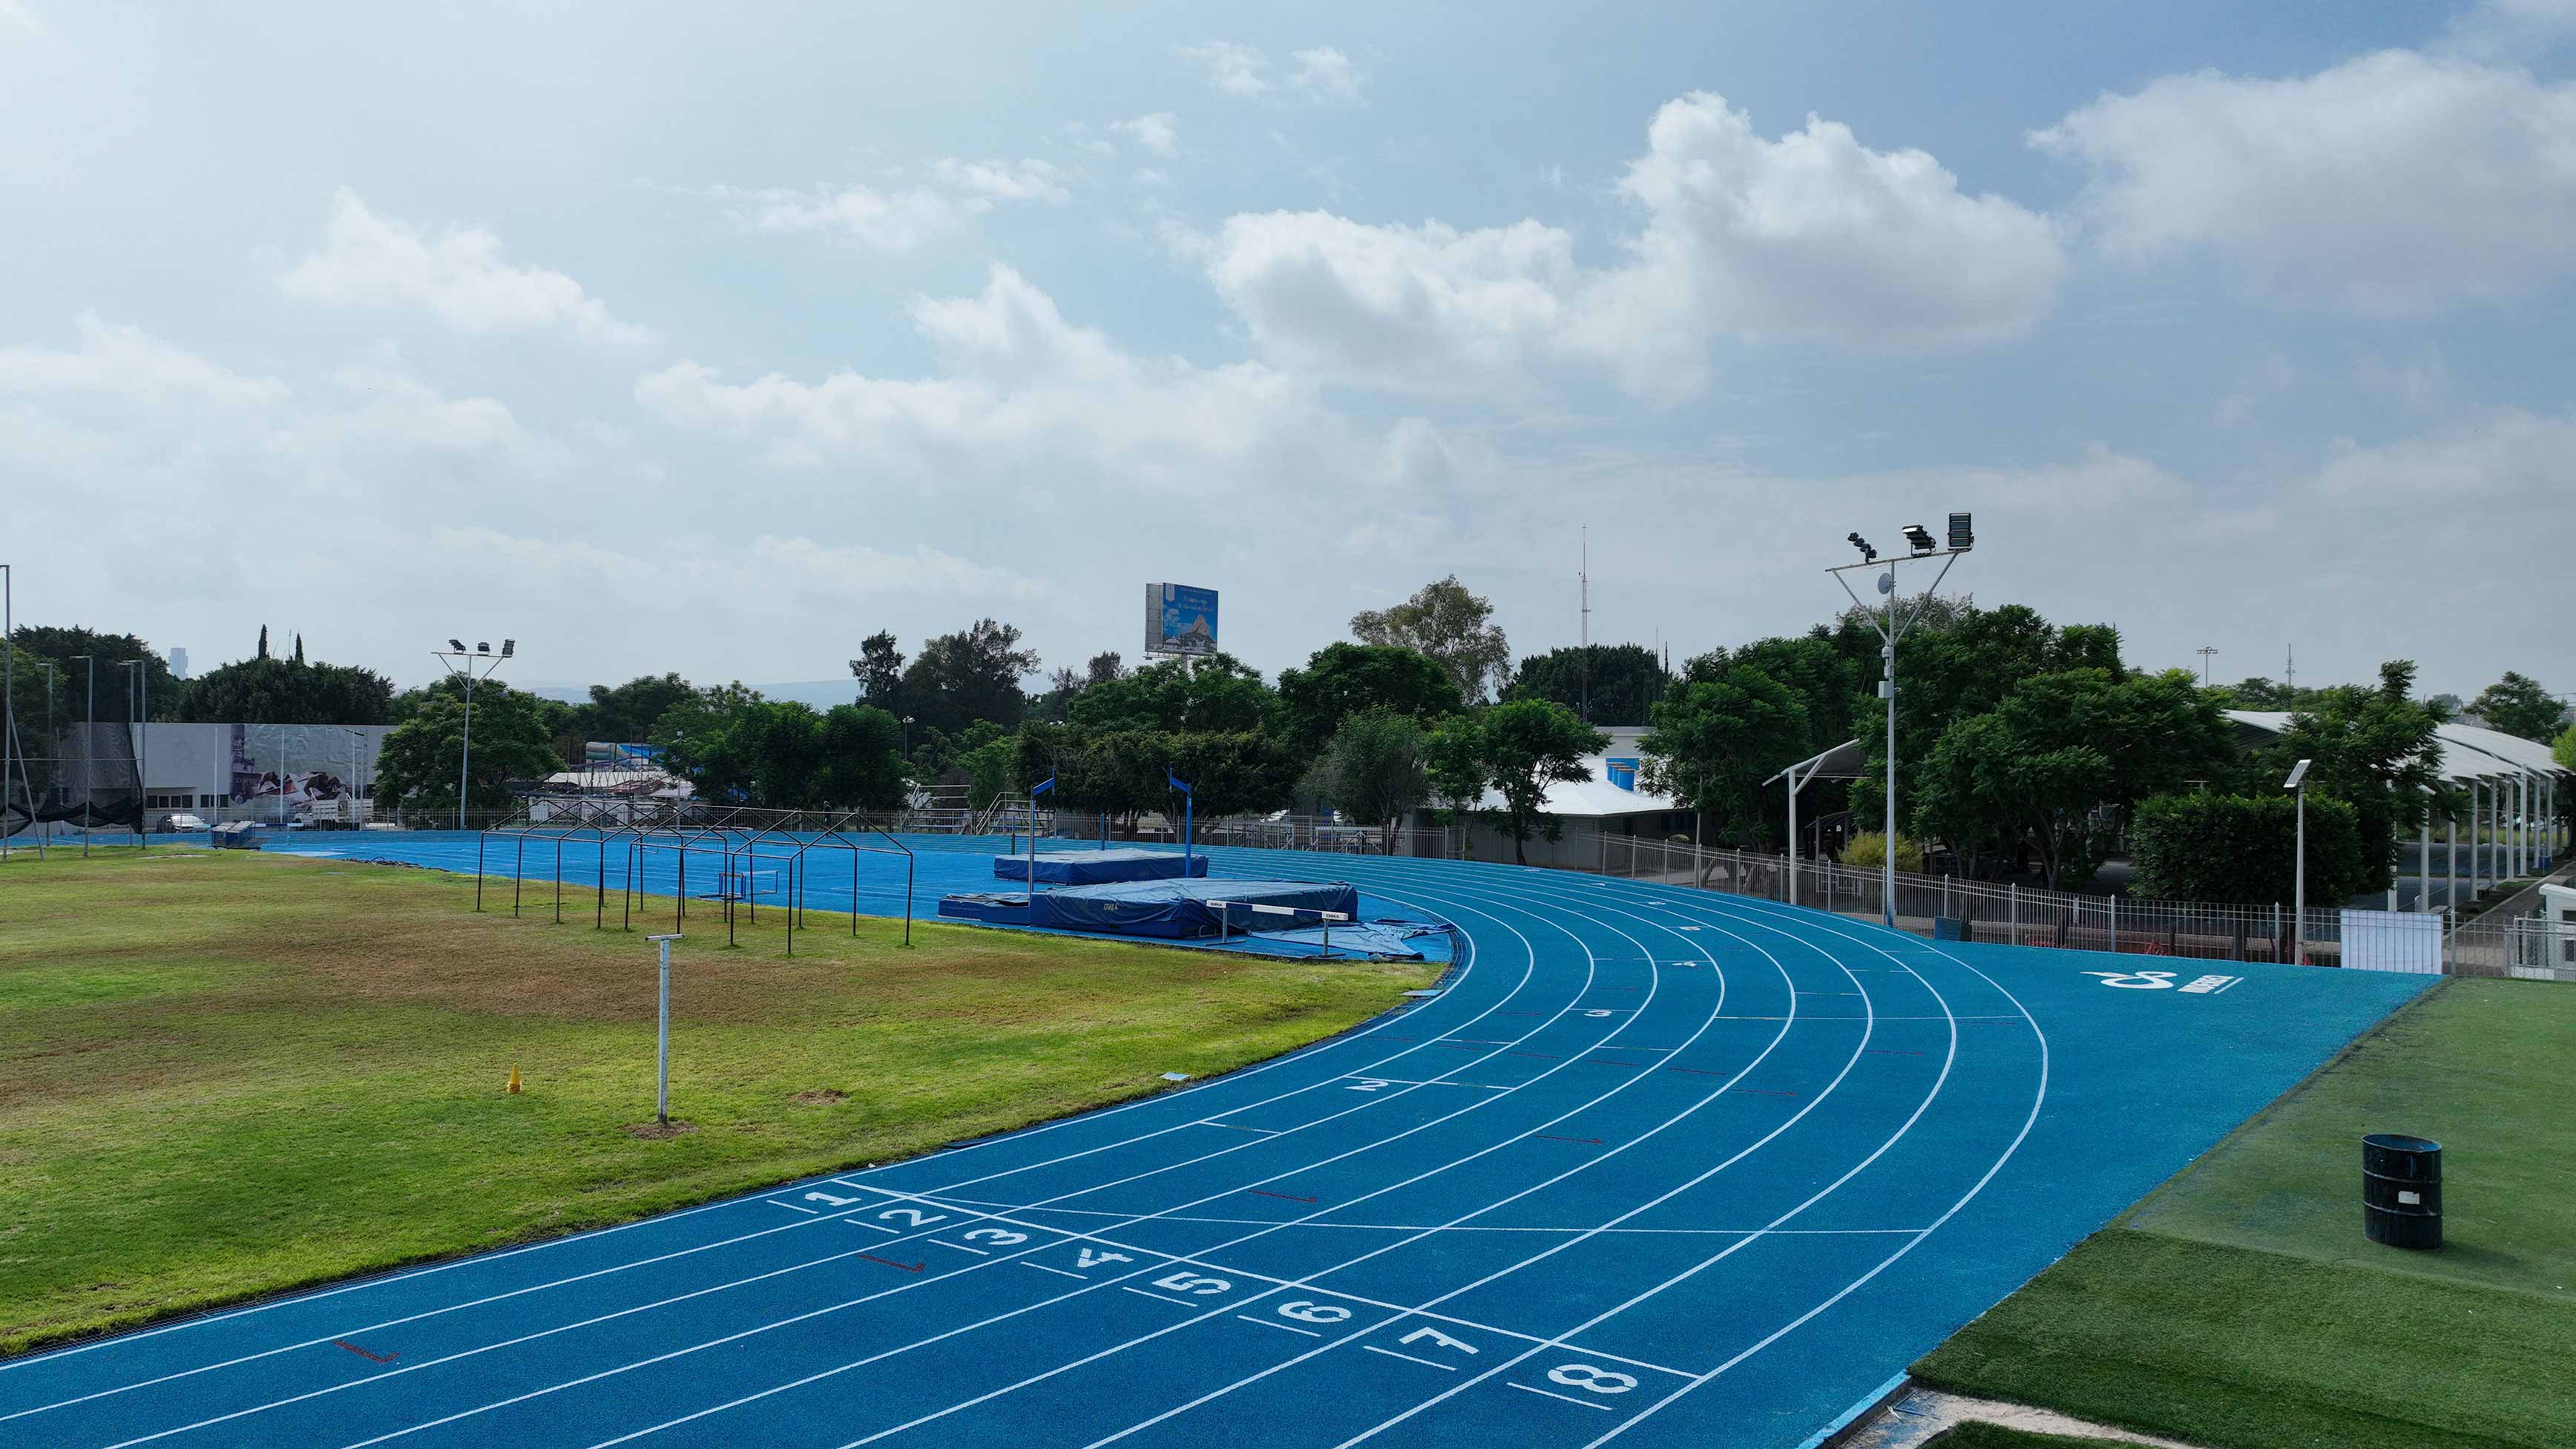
[1156, 133]
[1235, 70]
[458, 275]
[2396, 182]
[1327, 75]
[1812, 236]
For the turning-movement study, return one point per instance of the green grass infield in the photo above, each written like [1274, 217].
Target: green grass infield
[222, 1075]
[2240, 1306]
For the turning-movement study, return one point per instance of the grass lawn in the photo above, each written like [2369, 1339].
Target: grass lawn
[2240, 1306]
[224, 1074]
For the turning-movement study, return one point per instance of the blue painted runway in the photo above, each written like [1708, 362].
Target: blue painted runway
[1658, 1167]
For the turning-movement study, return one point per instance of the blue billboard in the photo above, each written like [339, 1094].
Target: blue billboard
[1179, 619]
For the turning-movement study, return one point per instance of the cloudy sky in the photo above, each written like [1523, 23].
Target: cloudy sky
[716, 337]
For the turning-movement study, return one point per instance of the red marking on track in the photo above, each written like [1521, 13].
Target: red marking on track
[1542, 1056]
[1257, 1192]
[362, 1353]
[1587, 1141]
[891, 1263]
[1758, 1092]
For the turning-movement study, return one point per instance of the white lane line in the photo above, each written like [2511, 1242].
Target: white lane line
[1141, 1293]
[1043, 1268]
[1730, 1249]
[880, 1227]
[791, 1207]
[1857, 1052]
[1528, 947]
[1446, 1368]
[1551, 1393]
[2037, 1100]
[1465, 970]
[1283, 1327]
[960, 1247]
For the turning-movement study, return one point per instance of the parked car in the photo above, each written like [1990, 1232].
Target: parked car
[178, 824]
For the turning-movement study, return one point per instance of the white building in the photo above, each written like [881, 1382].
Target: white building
[1610, 803]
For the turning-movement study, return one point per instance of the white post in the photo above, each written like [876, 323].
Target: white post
[2451, 887]
[2114, 903]
[2477, 827]
[2299, 909]
[1793, 836]
[2522, 840]
[662, 1039]
[2014, 889]
[2424, 861]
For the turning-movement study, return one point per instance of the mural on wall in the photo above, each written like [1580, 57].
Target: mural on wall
[302, 763]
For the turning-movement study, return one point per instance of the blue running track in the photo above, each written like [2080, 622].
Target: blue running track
[1657, 1167]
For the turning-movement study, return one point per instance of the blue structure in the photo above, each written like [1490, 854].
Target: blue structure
[1098, 867]
[1660, 1164]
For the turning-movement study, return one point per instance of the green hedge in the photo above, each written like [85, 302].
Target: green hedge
[2241, 848]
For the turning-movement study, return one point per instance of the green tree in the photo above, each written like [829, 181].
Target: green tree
[627, 713]
[1341, 680]
[879, 671]
[1715, 741]
[2563, 750]
[1622, 680]
[2517, 705]
[288, 691]
[1373, 770]
[1219, 694]
[513, 740]
[1985, 781]
[1453, 756]
[38, 645]
[1229, 773]
[862, 758]
[2241, 849]
[2374, 749]
[1452, 626]
[1531, 744]
[972, 674]
[1824, 681]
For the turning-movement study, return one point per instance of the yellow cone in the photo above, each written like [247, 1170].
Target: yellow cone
[513, 1088]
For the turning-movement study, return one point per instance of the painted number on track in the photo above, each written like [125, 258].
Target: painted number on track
[1585, 1376]
[998, 1237]
[912, 1216]
[1305, 1312]
[1090, 1259]
[1439, 1339]
[1193, 1284]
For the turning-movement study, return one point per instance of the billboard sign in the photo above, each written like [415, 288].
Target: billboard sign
[1179, 619]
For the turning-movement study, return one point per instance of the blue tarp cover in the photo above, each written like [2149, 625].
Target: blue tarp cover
[1179, 908]
[1096, 867]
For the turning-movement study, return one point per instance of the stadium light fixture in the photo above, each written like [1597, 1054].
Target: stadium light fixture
[456, 644]
[509, 647]
[1891, 628]
[482, 647]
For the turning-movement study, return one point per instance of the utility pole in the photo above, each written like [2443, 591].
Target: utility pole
[2204, 651]
[2290, 673]
[1583, 655]
[2298, 781]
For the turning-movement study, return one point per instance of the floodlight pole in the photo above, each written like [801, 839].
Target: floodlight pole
[662, 1038]
[89, 752]
[9, 711]
[138, 690]
[465, 668]
[1889, 633]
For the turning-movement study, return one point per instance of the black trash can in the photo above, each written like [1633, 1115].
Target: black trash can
[2401, 1190]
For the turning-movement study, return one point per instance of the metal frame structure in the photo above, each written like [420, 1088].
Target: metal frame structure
[465, 759]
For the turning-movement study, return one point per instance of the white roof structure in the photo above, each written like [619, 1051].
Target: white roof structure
[1597, 798]
[2469, 752]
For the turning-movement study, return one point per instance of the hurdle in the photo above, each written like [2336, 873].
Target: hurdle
[1262, 909]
